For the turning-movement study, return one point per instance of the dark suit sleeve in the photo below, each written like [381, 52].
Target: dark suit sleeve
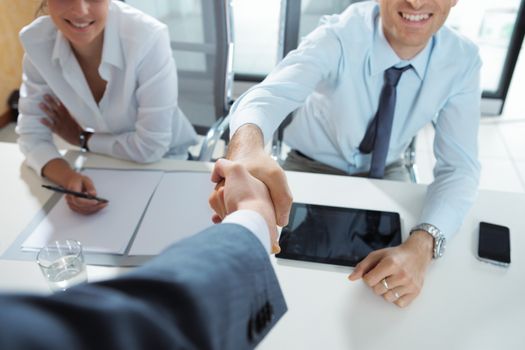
[215, 290]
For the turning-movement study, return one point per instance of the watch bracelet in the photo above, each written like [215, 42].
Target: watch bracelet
[436, 234]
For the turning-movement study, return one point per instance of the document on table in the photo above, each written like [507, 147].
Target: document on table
[109, 230]
[178, 209]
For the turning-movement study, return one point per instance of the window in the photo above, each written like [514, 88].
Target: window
[256, 35]
[497, 27]
[265, 30]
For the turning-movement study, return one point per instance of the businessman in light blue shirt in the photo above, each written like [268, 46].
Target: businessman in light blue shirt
[334, 80]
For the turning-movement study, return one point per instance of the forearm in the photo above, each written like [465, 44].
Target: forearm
[58, 171]
[137, 146]
[422, 243]
[448, 199]
[246, 141]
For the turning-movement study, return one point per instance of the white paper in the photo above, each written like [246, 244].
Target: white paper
[178, 209]
[109, 230]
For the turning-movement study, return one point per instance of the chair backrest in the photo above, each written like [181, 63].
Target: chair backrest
[202, 43]
[298, 18]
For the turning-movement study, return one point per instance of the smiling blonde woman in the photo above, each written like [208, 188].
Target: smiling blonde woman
[99, 74]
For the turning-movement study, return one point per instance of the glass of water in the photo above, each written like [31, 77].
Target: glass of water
[62, 264]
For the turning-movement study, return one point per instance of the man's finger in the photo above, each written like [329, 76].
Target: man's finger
[276, 249]
[220, 170]
[216, 219]
[365, 265]
[405, 300]
[216, 202]
[281, 197]
[396, 280]
[282, 203]
[382, 270]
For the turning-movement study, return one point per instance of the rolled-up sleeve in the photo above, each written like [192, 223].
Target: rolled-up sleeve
[35, 139]
[457, 170]
[156, 95]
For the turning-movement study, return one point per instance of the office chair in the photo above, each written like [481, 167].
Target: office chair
[299, 18]
[202, 43]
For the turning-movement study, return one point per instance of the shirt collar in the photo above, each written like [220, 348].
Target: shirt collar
[112, 49]
[61, 51]
[384, 57]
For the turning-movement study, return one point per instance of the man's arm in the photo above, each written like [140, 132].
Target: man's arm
[398, 273]
[258, 113]
[247, 147]
[457, 170]
[216, 290]
[316, 63]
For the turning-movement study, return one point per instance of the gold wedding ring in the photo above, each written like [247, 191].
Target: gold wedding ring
[383, 281]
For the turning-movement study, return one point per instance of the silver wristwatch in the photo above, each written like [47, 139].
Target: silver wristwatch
[439, 238]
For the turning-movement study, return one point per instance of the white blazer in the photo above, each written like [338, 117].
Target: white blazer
[138, 117]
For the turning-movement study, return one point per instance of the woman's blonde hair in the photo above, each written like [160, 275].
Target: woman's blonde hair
[42, 9]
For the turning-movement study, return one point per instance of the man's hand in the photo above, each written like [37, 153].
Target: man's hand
[246, 147]
[397, 273]
[239, 190]
[60, 121]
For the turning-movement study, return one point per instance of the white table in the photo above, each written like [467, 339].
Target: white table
[465, 304]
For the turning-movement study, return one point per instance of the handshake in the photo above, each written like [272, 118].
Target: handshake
[237, 189]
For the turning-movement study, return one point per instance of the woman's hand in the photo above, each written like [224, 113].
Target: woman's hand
[81, 183]
[60, 121]
[59, 171]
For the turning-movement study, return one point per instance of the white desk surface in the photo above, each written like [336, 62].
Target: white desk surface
[465, 304]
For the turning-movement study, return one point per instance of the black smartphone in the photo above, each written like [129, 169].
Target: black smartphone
[494, 244]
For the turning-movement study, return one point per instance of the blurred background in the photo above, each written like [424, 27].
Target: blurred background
[265, 30]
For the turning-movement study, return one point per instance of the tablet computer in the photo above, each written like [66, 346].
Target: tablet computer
[335, 235]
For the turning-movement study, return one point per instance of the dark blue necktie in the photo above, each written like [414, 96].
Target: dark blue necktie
[377, 136]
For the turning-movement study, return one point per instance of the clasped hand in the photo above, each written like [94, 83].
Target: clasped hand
[236, 189]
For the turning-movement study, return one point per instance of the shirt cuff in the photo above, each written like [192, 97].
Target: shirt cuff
[101, 143]
[437, 213]
[252, 221]
[245, 116]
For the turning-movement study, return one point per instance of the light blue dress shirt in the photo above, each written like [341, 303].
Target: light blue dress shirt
[334, 80]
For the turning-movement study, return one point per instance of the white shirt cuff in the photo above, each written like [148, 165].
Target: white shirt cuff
[254, 116]
[101, 143]
[252, 221]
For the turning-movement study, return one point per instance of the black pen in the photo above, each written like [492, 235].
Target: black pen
[75, 193]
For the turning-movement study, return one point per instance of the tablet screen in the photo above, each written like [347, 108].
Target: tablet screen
[338, 236]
